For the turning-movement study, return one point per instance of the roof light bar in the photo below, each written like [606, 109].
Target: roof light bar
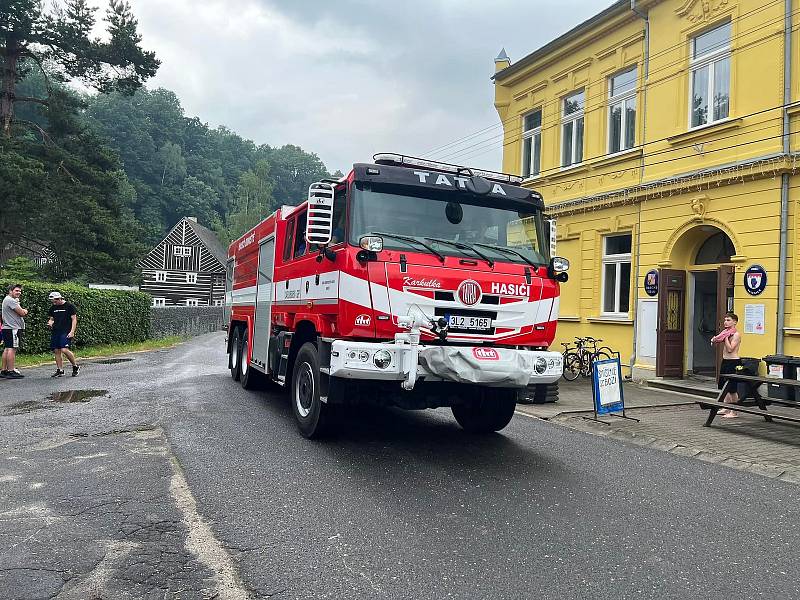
[402, 160]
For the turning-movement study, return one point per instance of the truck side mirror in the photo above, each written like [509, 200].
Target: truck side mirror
[557, 269]
[319, 224]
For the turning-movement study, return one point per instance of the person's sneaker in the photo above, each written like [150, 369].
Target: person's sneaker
[58, 373]
[3, 374]
[15, 374]
[75, 369]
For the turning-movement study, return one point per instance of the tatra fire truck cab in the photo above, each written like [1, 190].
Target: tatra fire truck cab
[408, 283]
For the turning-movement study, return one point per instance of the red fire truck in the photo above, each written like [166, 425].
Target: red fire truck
[409, 283]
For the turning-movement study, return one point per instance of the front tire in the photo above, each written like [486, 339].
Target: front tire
[491, 409]
[311, 414]
[236, 353]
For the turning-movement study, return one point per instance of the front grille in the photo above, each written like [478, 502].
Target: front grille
[450, 297]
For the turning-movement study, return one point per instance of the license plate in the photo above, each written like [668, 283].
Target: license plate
[470, 323]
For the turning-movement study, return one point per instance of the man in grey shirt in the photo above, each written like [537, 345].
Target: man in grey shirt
[13, 323]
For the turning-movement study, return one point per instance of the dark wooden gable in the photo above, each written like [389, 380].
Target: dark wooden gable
[170, 253]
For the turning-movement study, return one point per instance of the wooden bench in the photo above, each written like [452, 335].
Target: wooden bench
[751, 398]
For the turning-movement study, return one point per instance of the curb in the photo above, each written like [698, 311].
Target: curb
[786, 473]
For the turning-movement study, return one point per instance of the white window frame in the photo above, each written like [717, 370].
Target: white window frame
[159, 301]
[529, 136]
[573, 118]
[191, 277]
[160, 276]
[618, 260]
[182, 251]
[710, 60]
[192, 302]
[622, 99]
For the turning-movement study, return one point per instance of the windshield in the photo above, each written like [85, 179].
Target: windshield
[472, 229]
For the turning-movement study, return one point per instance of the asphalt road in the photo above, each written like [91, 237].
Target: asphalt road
[177, 483]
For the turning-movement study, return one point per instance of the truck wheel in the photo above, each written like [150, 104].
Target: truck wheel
[236, 353]
[491, 409]
[311, 414]
[250, 378]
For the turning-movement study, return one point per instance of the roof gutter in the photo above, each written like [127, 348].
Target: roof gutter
[784, 224]
[645, 17]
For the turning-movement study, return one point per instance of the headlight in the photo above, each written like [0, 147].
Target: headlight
[540, 365]
[363, 356]
[382, 359]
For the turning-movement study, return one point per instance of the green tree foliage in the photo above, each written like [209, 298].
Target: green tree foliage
[179, 166]
[20, 268]
[31, 34]
[59, 183]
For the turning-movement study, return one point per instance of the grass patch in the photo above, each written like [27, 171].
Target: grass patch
[32, 360]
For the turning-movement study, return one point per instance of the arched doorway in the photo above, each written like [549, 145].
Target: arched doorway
[711, 276]
[693, 301]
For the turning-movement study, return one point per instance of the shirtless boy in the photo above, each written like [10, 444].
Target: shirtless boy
[730, 339]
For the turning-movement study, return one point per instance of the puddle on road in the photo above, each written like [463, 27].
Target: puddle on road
[76, 395]
[68, 397]
[112, 361]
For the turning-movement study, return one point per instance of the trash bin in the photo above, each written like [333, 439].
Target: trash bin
[749, 366]
[781, 366]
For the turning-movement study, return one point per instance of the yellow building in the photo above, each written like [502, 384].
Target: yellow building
[660, 135]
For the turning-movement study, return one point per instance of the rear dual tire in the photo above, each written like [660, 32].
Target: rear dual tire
[249, 378]
[235, 359]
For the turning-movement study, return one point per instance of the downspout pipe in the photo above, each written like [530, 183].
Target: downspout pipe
[784, 232]
[642, 15]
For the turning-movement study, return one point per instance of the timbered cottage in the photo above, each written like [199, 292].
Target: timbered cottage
[187, 268]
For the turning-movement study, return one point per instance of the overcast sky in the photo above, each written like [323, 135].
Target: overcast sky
[348, 78]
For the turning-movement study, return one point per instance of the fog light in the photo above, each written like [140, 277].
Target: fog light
[540, 365]
[382, 359]
[363, 356]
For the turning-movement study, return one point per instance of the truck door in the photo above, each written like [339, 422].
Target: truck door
[228, 303]
[264, 295]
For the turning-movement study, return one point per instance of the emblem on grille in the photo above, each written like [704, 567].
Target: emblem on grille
[469, 292]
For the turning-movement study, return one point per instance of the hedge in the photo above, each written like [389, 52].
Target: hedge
[104, 316]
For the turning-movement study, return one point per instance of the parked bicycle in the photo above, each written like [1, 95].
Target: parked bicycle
[578, 359]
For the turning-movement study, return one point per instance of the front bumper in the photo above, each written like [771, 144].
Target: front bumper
[479, 365]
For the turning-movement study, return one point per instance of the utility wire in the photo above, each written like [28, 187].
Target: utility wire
[651, 57]
[640, 88]
[481, 144]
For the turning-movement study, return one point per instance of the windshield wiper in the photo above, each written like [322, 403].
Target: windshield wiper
[510, 251]
[463, 246]
[412, 240]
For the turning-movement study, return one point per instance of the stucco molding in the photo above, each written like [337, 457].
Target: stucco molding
[701, 11]
[688, 225]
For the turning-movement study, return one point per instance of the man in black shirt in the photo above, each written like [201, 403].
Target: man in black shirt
[63, 319]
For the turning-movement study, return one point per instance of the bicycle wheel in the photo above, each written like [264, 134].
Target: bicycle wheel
[572, 366]
[599, 356]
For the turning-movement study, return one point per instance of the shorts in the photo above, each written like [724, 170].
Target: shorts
[12, 338]
[59, 340]
[728, 367]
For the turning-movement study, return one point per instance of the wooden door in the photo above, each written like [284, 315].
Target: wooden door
[725, 287]
[671, 349]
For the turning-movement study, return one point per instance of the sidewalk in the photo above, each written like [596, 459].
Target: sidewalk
[674, 423]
